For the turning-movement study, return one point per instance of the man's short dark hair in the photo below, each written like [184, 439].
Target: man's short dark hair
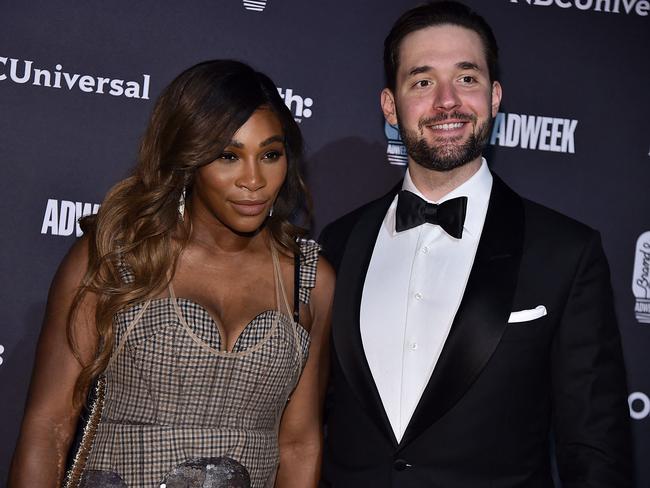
[433, 14]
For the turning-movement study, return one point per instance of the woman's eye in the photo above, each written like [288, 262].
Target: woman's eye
[228, 156]
[272, 155]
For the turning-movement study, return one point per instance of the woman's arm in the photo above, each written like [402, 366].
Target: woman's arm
[50, 417]
[301, 437]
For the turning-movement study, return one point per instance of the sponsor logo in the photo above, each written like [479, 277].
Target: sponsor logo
[23, 72]
[534, 132]
[395, 150]
[300, 106]
[255, 5]
[639, 405]
[2, 350]
[641, 278]
[638, 7]
[62, 217]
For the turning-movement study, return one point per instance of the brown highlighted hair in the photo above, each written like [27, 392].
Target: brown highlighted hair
[138, 225]
[433, 14]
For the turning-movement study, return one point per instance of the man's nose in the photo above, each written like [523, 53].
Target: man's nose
[446, 97]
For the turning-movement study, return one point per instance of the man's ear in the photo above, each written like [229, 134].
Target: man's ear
[496, 97]
[388, 106]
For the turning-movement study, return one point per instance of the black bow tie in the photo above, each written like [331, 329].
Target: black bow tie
[413, 211]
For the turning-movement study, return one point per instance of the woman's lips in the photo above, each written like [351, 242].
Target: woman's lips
[249, 207]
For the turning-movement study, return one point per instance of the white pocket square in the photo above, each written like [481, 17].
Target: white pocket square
[527, 315]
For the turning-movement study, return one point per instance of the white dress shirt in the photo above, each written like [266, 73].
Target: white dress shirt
[415, 282]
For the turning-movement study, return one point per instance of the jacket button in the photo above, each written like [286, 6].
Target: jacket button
[400, 465]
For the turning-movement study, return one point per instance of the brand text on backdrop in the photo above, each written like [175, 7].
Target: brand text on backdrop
[21, 72]
[638, 7]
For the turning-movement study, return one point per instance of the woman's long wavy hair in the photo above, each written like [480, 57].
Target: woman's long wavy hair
[137, 226]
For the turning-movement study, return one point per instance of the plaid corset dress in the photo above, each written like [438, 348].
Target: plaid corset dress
[179, 411]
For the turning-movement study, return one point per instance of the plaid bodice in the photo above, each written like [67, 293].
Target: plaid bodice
[173, 398]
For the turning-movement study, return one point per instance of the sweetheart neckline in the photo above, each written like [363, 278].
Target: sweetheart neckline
[214, 322]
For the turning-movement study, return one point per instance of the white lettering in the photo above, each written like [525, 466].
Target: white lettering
[67, 218]
[513, 130]
[531, 127]
[638, 7]
[145, 87]
[57, 76]
[70, 80]
[628, 6]
[116, 88]
[82, 210]
[22, 71]
[87, 83]
[50, 220]
[498, 131]
[26, 74]
[599, 4]
[534, 132]
[568, 138]
[62, 218]
[543, 145]
[44, 74]
[100, 84]
[556, 134]
[132, 90]
[290, 99]
[297, 104]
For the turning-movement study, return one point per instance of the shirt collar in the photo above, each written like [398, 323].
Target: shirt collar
[477, 190]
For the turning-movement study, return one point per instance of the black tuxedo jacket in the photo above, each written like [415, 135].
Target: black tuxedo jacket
[501, 395]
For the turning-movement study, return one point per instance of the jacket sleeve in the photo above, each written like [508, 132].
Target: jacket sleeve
[333, 239]
[590, 413]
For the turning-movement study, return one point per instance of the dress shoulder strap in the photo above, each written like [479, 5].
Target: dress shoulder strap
[125, 271]
[306, 269]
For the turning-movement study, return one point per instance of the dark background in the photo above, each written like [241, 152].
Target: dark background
[68, 145]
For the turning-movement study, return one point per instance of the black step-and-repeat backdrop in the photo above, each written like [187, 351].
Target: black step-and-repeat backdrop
[78, 80]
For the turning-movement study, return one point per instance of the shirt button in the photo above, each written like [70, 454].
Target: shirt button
[413, 346]
[425, 250]
[418, 296]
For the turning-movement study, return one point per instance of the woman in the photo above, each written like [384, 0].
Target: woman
[192, 305]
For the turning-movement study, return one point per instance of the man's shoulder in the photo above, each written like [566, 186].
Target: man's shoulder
[554, 224]
[334, 237]
[542, 220]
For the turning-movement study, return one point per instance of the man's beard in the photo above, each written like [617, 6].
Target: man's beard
[448, 154]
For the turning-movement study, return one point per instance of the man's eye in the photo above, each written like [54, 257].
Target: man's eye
[467, 79]
[423, 83]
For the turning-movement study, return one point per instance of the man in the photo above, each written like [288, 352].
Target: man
[470, 335]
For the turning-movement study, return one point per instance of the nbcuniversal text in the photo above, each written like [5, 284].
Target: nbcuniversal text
[638, 7]
[22, 72]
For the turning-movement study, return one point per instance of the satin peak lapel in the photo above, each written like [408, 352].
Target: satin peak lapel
[483, 313]
[346, 332]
